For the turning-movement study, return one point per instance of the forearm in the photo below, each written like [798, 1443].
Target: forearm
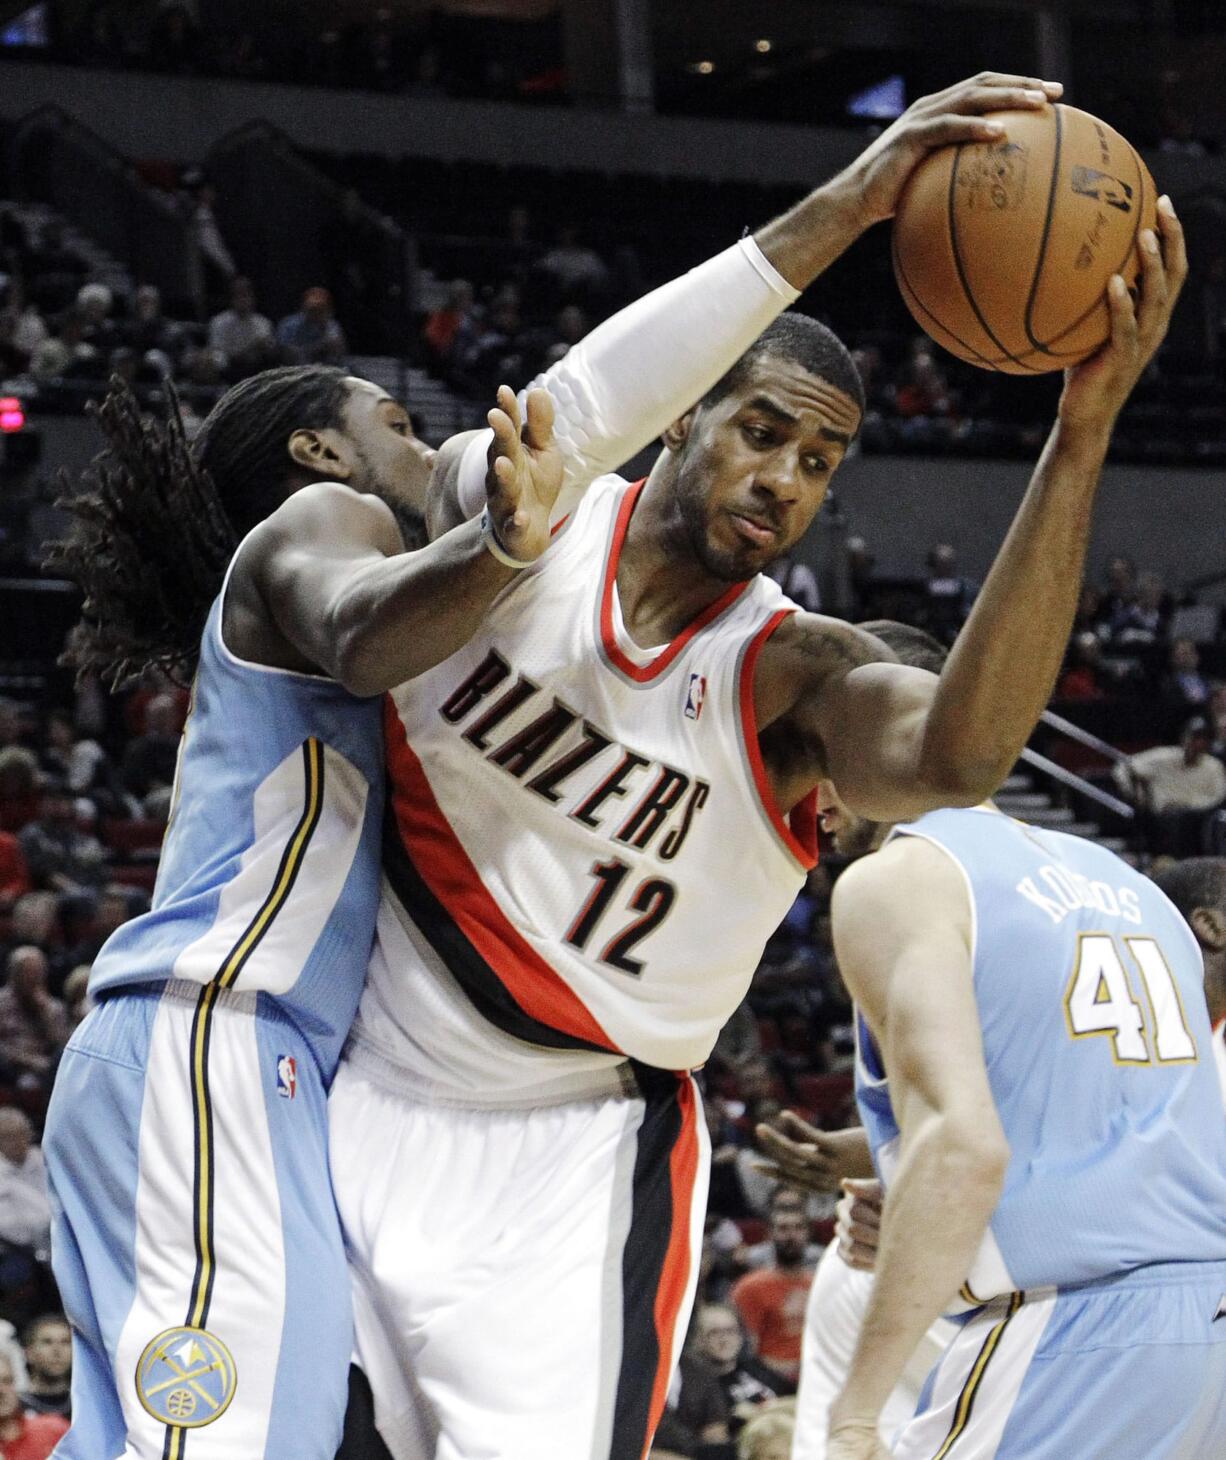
[619, 387]
[1003, 667]
[935, 1217]
[400, 616]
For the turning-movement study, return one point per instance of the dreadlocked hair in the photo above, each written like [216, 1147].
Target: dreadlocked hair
[156, 520]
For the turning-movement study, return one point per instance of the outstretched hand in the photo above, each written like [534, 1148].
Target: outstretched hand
[947, 117]
[524, 473]
[1095, 390]
[814, 1160]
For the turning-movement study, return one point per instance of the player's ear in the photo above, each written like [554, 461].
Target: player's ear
[325, 453]
[676, 435]
[1210, 928]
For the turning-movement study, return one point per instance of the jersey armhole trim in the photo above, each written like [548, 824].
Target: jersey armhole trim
[800, 838]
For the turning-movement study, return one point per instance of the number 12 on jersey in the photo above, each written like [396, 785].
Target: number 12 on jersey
[1099, 1000]
[652, 900]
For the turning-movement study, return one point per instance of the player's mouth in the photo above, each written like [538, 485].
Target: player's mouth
[829, 820]
[754, 530]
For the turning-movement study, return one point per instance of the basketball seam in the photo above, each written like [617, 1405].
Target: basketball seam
[905, 280]
[953, 244]
[1132, 243]
[1051, 208]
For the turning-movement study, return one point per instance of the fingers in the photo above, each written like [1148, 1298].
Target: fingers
[800, 1129]
[999, 81]
[1174, 245]
[1123, 317]
[504, 422]
[538, 430]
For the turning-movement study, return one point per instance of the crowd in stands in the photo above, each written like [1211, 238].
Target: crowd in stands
[64, 333]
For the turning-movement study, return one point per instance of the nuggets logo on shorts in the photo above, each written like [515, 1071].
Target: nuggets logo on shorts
[186, 1377]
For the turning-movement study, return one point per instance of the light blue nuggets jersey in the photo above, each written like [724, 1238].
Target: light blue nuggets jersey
[1096, 1036]
[269, 875]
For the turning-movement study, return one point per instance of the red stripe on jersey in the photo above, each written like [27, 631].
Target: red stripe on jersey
[641, 673]
[446, 869]
[675, 1277]
[800, 837]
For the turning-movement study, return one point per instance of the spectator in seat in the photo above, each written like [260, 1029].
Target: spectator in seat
[1178, 785]
[949, 595]
[763, 1254]
[61, 852]
[81, 763]
[197, 200]
[24, 1436]
[95, 303]
[771, 1300]
[312, 336]
[1184, 690]
[150, 333]
[33, 1024]
[695, 1413]
[745, 1380]
[25, 1208]
[19, 798]
[241, 335]
[48, 1353]
[12, 723]
[576, 269]
[1120, 592]
[14, 874]
[66, 353]
[108, 911]
[77, 1002]
[150, 759]
[451, 332]
[1082, 677]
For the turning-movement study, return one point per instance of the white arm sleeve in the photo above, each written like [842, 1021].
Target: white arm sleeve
[620, 386]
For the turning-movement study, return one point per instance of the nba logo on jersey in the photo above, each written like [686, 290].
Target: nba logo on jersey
[287, 1076]
[695, 695]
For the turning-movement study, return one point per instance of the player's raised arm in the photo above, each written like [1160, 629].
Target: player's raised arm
[619, 387]
[330, 569]
[898, 742]
[903, 939]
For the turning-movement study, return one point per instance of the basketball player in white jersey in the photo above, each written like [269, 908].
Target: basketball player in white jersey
[1197, 887]
[599, 809]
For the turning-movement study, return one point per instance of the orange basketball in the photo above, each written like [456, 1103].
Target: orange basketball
[1003, 249]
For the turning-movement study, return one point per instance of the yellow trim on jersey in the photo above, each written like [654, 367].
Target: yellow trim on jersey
[289, 867]
[966, 1399]
[227, 974]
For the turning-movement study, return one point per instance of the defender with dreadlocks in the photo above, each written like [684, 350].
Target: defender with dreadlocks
[196, 1244]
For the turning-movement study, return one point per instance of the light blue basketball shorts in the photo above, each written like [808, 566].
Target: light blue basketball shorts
[195, 1239]
[1129, 1368]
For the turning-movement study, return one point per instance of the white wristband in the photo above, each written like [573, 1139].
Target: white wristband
[490, 538]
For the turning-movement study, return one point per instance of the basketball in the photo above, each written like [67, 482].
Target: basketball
[1003, 250]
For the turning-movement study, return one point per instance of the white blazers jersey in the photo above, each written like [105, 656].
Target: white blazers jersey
[582, 859]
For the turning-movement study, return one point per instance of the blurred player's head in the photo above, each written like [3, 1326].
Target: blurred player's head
[157, 520]
[1197, 887]
[753, 460]
[853, 835]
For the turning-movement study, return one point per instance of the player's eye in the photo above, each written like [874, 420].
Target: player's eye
[759, 435]
[401, 428]
[817, 464]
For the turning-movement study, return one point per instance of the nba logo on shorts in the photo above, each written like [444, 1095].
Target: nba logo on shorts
[287, 1076]
[695, 695]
